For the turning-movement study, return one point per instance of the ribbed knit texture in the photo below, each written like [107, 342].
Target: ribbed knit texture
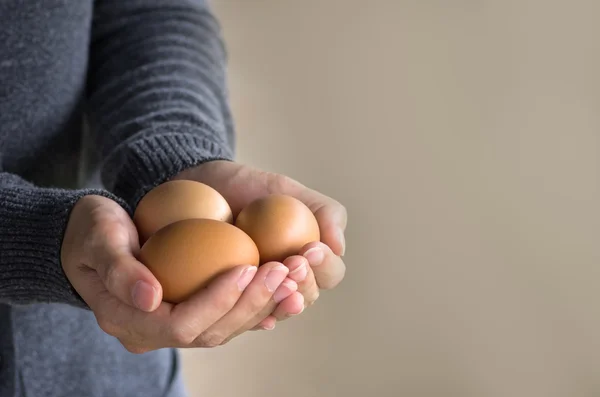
[150, 77]
[164, 107]
[31, 231]
[155, 94]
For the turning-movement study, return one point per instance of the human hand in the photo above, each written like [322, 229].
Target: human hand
[319, 265]
[98, 256]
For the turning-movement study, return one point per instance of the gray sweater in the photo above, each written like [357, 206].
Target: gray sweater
[148, 78]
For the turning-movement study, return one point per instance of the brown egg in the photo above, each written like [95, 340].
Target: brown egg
[186, 255]
[177, 200]
[279, 225]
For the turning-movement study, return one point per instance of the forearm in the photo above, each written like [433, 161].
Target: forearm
[157, 91]
[32, 224]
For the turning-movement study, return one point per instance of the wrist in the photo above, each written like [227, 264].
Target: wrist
[195, 172]
[33, 221]
[150, 161]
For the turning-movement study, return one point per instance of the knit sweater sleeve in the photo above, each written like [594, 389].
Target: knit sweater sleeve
[157, 104]
[157, 98]
[33, 220]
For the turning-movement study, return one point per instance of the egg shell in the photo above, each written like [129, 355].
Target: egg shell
[186, 255]
[280, 225]
[177, 200]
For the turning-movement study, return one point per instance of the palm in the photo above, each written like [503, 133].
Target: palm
[240, 185]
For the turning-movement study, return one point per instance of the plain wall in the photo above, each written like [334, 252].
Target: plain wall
[464, 138]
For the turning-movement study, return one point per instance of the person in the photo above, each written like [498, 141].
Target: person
[135, 91]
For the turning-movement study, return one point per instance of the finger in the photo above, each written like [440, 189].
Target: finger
[299, 268]
[121, 320]
[291, 306]
[287, 288]
[307, 288]
[329, 269]
[331, 216]
[137, 330]
[90, 287]
[168, 325]
[302, 273]
[268, 324]
[253, 301]
[135, 327]
[124, 276]
[192, 317]
[175, 326]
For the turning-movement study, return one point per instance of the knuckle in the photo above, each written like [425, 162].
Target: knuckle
[277, 183]
[111, 275]
[135, 349]
[224, 303]
[103, 234]
[126, 330]
[311, 298]
[330, 283]
[210, 340]
[229, 339]
[332, 280]
[108, 326]
[257, 303]
[340, 277]
[93, 241]
[113, 234]
[182, 335]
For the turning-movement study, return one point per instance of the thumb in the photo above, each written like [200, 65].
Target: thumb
[128, 279]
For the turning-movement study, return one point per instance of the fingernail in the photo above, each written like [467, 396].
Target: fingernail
[246, 277]
[300, 272]
[275, 277]
[269, 327]
[342, 242]
[315, 256]
[143, 295]
[283, 293]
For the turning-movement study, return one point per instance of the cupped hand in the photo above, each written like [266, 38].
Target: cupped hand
[98, 256]
[319, 265]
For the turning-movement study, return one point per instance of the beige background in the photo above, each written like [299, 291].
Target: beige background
[463, 136]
